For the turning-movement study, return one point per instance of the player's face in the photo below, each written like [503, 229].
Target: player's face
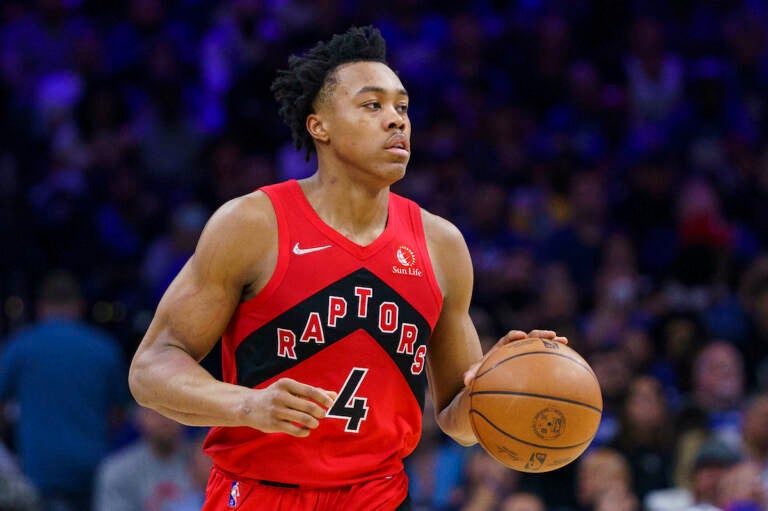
[366, 120]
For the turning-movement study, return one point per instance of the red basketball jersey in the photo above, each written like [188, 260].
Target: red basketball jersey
[342, 317]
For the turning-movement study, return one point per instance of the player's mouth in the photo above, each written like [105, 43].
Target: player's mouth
[398, 144]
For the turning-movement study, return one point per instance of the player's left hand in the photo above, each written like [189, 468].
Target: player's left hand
[509, 337]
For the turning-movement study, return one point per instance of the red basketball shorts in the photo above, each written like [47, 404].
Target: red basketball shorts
[226, 493]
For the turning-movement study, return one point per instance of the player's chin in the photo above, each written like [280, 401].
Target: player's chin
[399, 167]
[398, 174]
[391, 172]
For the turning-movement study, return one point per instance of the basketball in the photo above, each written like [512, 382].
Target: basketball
[535, 405]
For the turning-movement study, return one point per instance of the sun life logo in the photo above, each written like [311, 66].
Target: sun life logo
[405, 256]
[406, 259]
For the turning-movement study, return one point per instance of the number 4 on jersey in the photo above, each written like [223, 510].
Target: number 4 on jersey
[347, 405]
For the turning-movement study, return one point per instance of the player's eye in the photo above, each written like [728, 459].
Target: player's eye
[373, 105]
[402, 108]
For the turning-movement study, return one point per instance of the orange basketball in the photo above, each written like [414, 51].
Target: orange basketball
[535, 405]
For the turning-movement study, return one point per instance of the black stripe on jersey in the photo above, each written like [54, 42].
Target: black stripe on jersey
[256, 356]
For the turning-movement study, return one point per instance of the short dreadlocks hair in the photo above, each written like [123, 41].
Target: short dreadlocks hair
[313, 74]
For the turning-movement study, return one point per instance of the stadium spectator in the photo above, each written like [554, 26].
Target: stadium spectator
[604, 480]
[487, 481]
[645, 435]
[16, 492]
[755, 433]
[522, 502]
[700, 492]
[69, 380]
[149, 474]
[742, 489]
[718, 391]
[199, 469]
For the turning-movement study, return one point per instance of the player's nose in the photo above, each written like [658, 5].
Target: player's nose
[395, 119]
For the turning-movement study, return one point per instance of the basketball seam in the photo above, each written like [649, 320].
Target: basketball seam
[530, 394]
[494, 426]
[536, 353]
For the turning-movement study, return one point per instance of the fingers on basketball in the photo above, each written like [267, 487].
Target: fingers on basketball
[535, 405]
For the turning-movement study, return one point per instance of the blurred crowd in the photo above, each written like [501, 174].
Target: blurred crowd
[606, 161]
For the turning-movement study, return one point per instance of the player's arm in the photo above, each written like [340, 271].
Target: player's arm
[455, 353]
[454, 345]
[238, 247]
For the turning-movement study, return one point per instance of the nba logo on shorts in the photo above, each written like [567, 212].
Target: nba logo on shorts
[234, 493]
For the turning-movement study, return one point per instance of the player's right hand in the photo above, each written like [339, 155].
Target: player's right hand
[509, 337]
[288, 406]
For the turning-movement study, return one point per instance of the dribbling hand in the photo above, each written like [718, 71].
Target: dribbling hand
[509, 337]
[288, 406]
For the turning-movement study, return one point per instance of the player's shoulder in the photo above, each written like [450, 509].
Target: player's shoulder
[441, 232]
[246, 212]
[241, 217]
[448, 252]
[241, 231]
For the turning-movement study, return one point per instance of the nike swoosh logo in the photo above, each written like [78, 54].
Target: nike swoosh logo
[302, 251]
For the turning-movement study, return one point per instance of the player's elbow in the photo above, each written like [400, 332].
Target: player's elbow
[138, 381]
[460, 431]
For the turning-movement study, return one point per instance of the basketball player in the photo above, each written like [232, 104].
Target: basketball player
[335, 300]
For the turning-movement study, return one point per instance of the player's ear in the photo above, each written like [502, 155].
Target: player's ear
[317, 129]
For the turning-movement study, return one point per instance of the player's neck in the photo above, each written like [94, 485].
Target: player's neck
[357, 211]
